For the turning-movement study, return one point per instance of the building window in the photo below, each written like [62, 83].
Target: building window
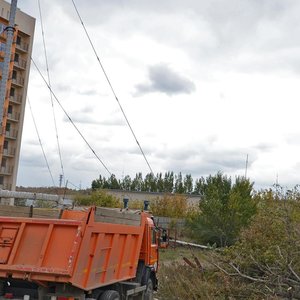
[5, 145]
[12, 92]
[14, 74]
[10, 108]
[3, 163]
[18, 40]
[1, 179]
[7, 128]
[16, 57]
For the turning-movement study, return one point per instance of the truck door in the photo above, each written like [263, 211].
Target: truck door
[154, 246]
[7, 238]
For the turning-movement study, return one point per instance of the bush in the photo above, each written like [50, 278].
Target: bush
[97, 198]
[267, 253]
[171, 205]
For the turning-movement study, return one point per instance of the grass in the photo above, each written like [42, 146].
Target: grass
[176, 254]
[174, 271]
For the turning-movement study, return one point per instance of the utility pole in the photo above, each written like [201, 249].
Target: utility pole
[9, 40]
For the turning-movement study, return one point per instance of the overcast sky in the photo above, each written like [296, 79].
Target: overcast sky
[203, 83]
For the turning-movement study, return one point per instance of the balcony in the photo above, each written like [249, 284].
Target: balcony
[18, 81]
[23, 47]
[14, 117]
[5, 186]
[6, 170]
[11, 134]
[16, 99]
[20, 64]
[9, 152]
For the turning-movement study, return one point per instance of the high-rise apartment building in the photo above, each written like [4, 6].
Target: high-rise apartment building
[16, 90]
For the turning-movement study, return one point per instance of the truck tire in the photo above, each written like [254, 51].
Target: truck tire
[110, 295]
[149, 290]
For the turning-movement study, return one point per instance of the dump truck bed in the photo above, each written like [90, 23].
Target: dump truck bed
[88, 249]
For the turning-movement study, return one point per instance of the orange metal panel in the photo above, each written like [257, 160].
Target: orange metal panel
[109, 253]
[44, 247]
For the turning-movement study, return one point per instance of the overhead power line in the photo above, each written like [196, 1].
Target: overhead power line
[39, 138]
[51, 98]
[74, 185]
[110, 85]
[67, 115]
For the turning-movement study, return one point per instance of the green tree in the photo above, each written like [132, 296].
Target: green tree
[126, 183]
[159, 183]
[106, 183]
[113, 182]
[225, 208]
[179, 188]
[97, 183]
[137, 183]
[199, 185]
[150, 183]
[169, 182]
[188, 183]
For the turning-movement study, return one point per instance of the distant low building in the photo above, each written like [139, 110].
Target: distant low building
[141, 196]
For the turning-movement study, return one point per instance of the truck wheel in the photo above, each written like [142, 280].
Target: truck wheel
[149, 290]
[110, 295]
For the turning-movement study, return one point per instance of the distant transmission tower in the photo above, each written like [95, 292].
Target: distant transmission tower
[246, 169]
[60, 180]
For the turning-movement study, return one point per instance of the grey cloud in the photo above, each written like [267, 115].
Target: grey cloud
[164, 80]
[264, 146]
[241, 35]
[113, 122]
[32, 141]
[88, 92]
[85, 117]
[204, 167]
[87, 109]
[203, 159]
[29, 160]
[293, 138]
[80, 118]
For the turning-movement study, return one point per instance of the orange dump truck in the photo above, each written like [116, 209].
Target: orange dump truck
[95, 253]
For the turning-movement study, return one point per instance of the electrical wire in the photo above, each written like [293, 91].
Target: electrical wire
[51, 98]
[111, 87]
[39, 138]
[75, 186]
[67, 115]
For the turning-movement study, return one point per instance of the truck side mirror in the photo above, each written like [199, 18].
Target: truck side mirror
[146, 205]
